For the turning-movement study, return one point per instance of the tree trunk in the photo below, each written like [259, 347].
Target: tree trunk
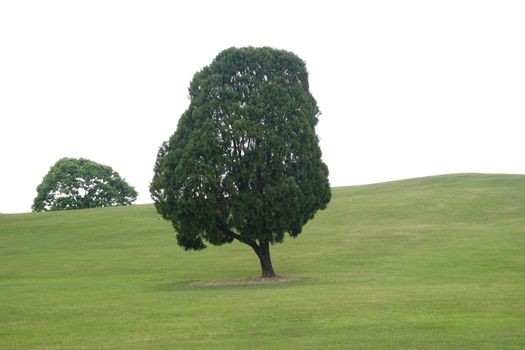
[263, 252]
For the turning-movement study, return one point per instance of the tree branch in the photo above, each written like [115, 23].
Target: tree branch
[238, 237]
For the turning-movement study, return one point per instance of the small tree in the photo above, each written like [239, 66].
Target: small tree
[81, 183]
[244, 162]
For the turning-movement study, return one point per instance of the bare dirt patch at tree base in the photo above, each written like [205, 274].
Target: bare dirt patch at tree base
[245, 282]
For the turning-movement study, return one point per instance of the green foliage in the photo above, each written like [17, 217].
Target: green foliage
[81, 183]
[244, 162]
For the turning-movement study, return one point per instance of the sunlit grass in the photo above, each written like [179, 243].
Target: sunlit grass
[431, 263]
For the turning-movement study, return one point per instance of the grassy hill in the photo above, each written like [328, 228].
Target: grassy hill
[429, 263]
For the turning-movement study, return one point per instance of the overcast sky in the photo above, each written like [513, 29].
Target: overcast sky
[406, 88]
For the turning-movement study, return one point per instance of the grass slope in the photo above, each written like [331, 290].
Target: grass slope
[429, 263]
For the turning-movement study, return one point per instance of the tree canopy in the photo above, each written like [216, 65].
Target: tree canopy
[81, 183]
[244, 162]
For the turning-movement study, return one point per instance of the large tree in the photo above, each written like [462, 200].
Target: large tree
[244, 162]
[81, 183]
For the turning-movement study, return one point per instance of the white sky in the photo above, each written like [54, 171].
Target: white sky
[406, 88]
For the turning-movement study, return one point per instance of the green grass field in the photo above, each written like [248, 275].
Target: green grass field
[430, 263]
